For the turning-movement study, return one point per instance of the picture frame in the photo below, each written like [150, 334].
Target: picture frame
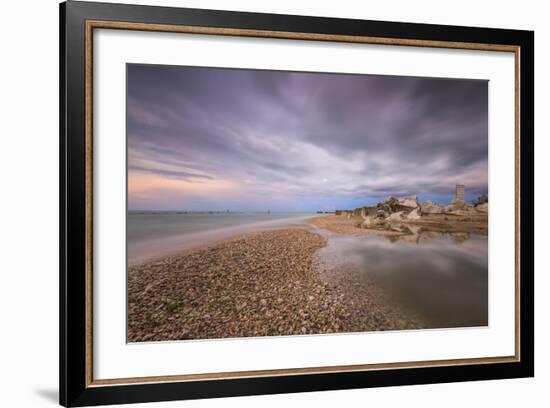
[78, 23]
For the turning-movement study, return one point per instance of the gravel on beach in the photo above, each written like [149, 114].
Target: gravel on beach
[269, 283]
[259, 284]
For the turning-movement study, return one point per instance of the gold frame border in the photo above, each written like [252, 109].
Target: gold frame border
[100, 24]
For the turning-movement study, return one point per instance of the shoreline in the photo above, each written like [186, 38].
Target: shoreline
[266, 283]
[259, 284]
[435, 224]
[153, 249]
[270, 282]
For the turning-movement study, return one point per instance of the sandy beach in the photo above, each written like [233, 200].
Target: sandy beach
[257, 284]
[434, 223]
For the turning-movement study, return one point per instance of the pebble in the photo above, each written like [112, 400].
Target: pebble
[259, 284]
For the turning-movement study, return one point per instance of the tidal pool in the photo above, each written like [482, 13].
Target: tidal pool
[441, 278]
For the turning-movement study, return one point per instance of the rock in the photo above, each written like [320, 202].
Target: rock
[397, 216]
[413, 215]
[381, 214]
[430, 208]
[368, 223]
[414, 229]
[460, 212]
[367, 211]
[410, 202]
[482, 208]
[390, 205]
[397, 227]
[372, 222]
[448, 209]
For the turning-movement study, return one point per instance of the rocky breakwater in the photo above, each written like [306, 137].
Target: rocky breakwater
[407, 215]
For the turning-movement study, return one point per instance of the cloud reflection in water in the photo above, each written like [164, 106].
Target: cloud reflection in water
[442, 278]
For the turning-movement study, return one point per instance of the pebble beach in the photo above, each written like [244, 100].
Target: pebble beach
[267, 283]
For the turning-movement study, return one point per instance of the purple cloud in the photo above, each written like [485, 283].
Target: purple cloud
[291, 141]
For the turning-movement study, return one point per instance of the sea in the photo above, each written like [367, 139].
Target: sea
[158, 233]
[442, 277]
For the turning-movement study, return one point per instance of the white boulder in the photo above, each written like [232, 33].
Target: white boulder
[430, 208]
[396, 216]
[482, 208]
[411, 202]
[413, 215]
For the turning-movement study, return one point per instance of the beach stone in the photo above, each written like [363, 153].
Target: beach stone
[410, 202]
[482, 208]
[369, 222]
[413, 215]
[430, 208]
[397, 216]
[257, 284]
[449, 208]
[460, 212]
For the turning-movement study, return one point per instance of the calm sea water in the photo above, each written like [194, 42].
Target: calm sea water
[443, 278]
[151, 234]
[154, 225]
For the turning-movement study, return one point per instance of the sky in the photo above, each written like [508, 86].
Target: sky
[222, 139]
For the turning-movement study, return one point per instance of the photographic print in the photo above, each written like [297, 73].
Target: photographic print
[275, 203]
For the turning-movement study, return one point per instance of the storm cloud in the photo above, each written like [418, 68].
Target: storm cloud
[251, 140]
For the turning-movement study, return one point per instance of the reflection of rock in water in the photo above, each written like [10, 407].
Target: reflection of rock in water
[414, 234]
[439, 281]
[411, 239]
[459, 237]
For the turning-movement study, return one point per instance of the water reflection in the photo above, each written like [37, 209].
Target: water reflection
[441, 277]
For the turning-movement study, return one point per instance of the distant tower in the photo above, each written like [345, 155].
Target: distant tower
[459, 196]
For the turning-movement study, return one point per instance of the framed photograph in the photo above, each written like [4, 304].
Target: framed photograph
[256, 203]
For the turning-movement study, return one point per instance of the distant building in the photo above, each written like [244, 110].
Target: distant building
[459, 195]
